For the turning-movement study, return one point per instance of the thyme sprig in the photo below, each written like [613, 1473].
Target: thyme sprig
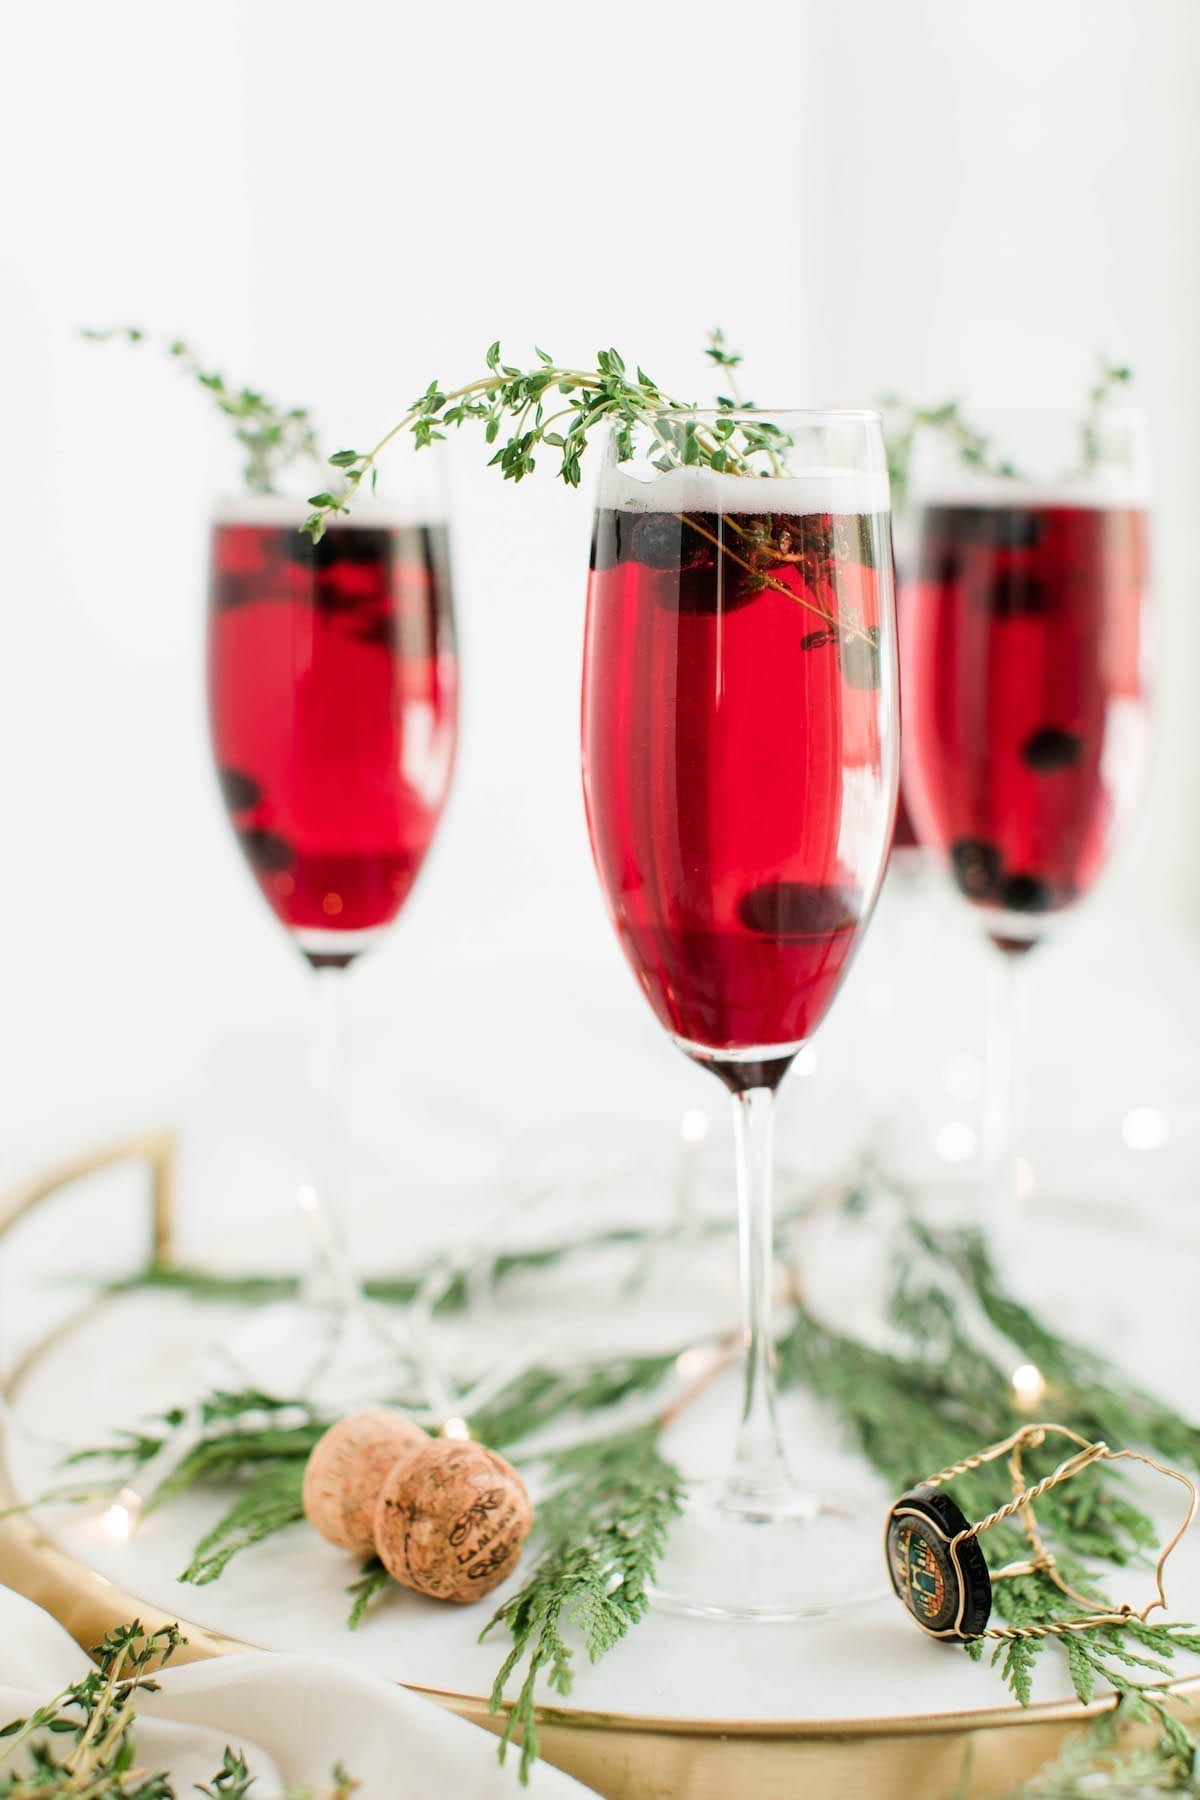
[272, 437]
[904, 423]
[553, 406]
[96, 1717]
[1112, 377]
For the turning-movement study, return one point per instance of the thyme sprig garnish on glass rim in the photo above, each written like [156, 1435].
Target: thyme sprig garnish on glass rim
[524, 411]
[271, 437]
[552, 406]
[905, 423]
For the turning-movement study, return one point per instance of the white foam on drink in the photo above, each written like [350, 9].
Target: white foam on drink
[1105, 491]
[703, 490]
[366, 510]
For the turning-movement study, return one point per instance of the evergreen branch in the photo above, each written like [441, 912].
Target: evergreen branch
[371, 1583]
[540, 1394]
[449, 1279]
[600, 1532]
[1114, 1759]
[272, 1499]
[271, 437]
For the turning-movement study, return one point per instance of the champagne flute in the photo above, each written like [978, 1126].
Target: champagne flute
[1026, 699]
[333, 691]
[740, 746]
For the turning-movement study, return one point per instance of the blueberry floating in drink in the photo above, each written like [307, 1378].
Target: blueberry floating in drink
[797, 909]
[1025, 893]
[976, 867]
[239, 791]
[266, 851]
[1050, 748]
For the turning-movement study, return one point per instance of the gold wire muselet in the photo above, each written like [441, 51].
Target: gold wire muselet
[938, 1569]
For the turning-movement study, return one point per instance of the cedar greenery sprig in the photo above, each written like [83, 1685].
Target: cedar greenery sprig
[272, 437]
[601, 1532]
[1111, 1759]
[447, 1281]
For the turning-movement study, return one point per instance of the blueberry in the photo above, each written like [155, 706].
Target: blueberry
[269, 853]
[789, 909]
[378, 629]
[1027, 893]
[239, 790]
[1016, 528]
[667, 541]
[1002, 527]
[228, 592]
[1050, 747]
[1012, 594]
[349, 544]
[976, 867]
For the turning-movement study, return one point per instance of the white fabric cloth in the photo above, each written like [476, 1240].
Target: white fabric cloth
[293, 1717]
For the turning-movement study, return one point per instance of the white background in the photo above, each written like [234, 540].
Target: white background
[340, 202]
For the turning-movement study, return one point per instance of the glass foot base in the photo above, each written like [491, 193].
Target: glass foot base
[800, 1557]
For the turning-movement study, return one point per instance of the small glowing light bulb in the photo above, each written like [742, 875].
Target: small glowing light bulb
[119, 1520]
[1029, 1385]
[456, 1428]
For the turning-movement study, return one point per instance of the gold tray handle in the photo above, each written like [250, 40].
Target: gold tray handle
[157, 1148]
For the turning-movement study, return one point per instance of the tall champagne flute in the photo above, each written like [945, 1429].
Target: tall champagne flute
[333, 690]
[740, 745]
[1026, 698]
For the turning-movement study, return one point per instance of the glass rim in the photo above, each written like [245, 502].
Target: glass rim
[813, 415]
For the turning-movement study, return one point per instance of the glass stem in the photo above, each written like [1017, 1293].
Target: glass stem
[760, 1473]
[1000, 1163]
[329, 1281]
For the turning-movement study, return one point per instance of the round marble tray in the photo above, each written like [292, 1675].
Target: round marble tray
[856, 1704]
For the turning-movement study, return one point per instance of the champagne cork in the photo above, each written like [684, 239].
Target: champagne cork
[346, 1470]
[451, 1521]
